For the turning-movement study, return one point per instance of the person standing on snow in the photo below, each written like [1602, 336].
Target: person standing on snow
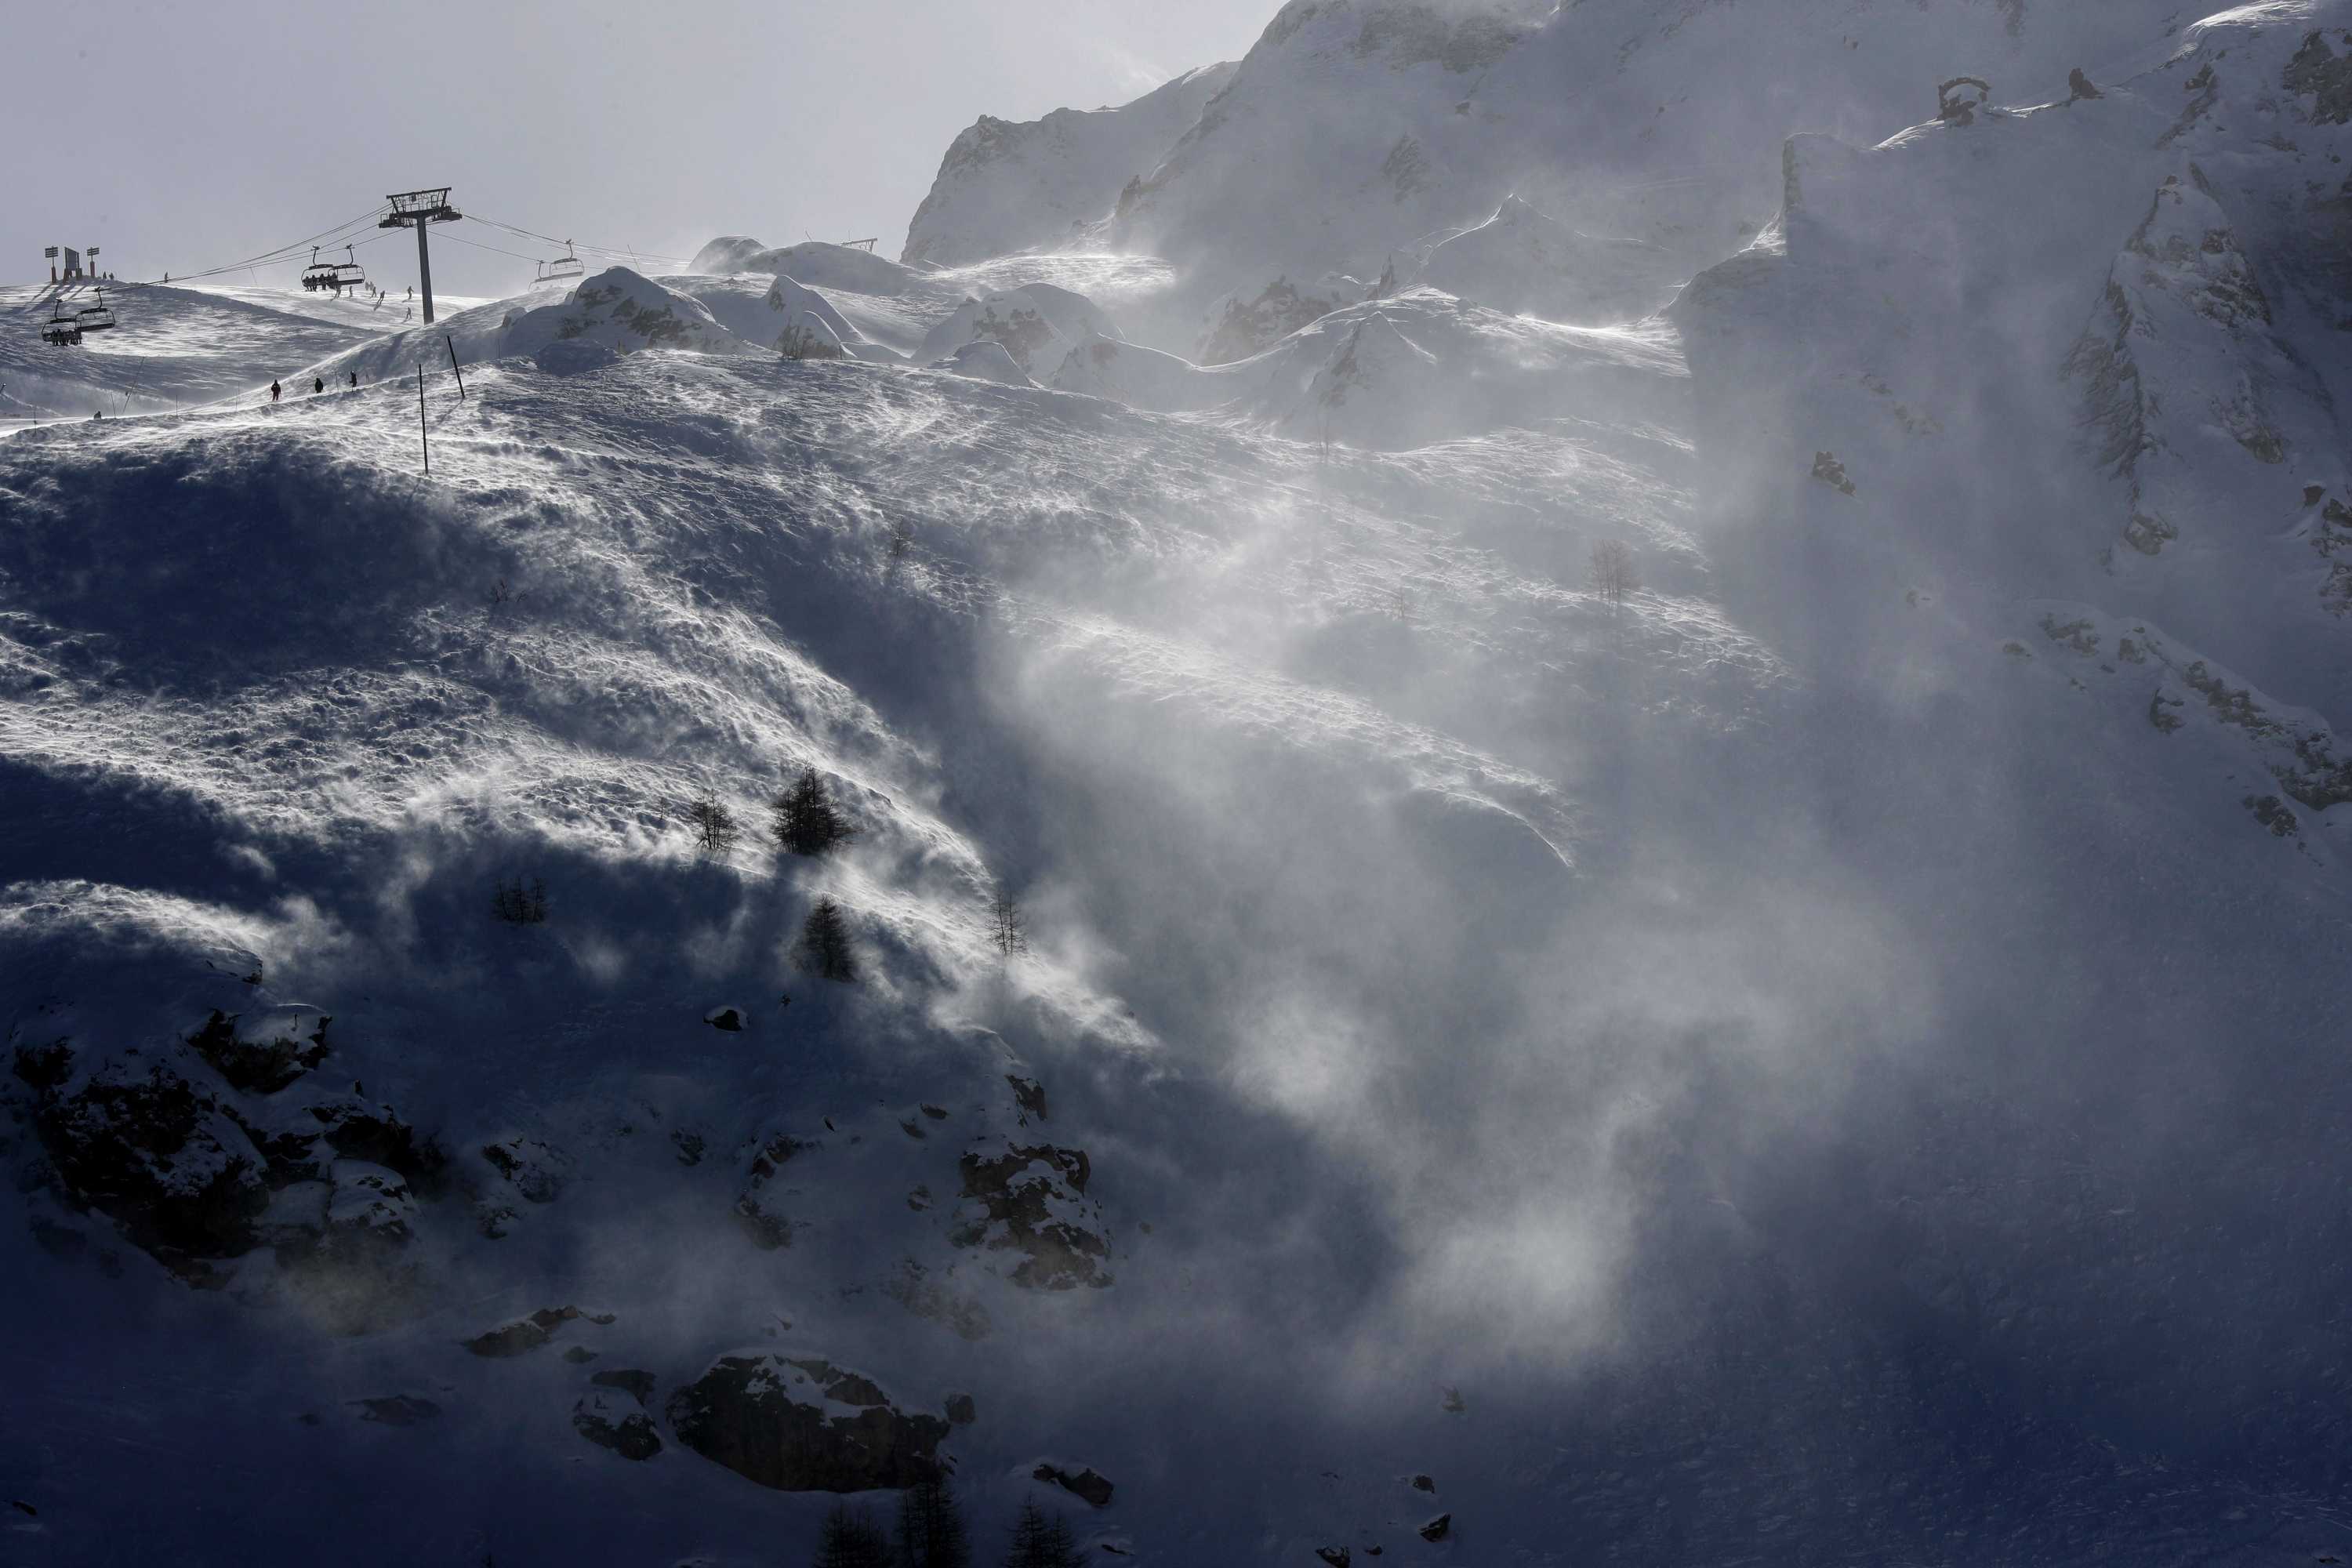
[318, 384]
[273, 392]
[355, 381]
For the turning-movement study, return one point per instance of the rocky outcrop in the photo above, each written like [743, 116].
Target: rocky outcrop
[263, 1053]
[607, 1422]
[804, 1426]
[154, 1151]
[1032, 1199]
[1083, 1483]
[528, 1333]
[1248, 327]
[764, 1224]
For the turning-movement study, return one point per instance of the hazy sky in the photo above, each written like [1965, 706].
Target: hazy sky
[182, 136]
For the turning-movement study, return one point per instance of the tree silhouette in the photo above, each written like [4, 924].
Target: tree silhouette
[715, 828]
[1613, 575]
[849, 1538]
[1008, 927]
[805, 821]
[931, 1532]
[824, 944]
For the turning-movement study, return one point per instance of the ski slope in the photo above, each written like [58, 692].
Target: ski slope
[1828, 1055]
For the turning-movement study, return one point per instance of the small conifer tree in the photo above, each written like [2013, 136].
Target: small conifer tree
[824, 946]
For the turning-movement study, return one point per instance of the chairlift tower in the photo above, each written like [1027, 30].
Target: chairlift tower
[422, 207]
[50, 251]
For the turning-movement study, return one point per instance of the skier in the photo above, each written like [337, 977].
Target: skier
[355, 381]
[273, 392]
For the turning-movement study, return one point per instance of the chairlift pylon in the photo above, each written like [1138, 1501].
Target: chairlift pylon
[95, 318]
[565, 266]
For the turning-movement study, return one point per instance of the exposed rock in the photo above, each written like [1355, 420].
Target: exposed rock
[1424, 1484]
[767, 1228]
[1831, 472]
[638, 1386]
[728, 1018]
[356, 1129]
[1336, 1556]
[1085, 1483]
[528, 1333]
[2318, 70]
[2079, 89]
[1029, 1095]
[1438, 1529]
[1277, 311]
[159, 1155]
[803, 1425]
[398, 1409]
[962, 1409]
[628, 1433]
[532, 1166]
[1453, 1403]
[1032, 1199]
[579, 1355]
[689, 1146]
[263, 1053]
[2273, 814]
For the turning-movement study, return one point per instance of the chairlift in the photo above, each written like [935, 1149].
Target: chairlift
[349, 273]
[318, 274]
[61, 330]
[95, 318]
[565, 266]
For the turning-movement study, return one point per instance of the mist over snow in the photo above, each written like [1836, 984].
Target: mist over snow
[1519, 785]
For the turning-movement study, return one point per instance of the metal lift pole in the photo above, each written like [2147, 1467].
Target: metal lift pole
[424, 273]
[421, 208]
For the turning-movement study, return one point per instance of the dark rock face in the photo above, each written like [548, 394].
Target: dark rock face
[1029, 1095]
[528, 1333]
[1336, 1556]
[266, 1055]
[628, 1433]
[728, 1018]
[356, 1129]
[1086, 1484]
[638, 1386]
[530, 1164]
[1424, 1484]
[767, 1228]
[780, 1423]
[1032, 1199]
[962, 1410]
[1438, 1529]
[159, 1155]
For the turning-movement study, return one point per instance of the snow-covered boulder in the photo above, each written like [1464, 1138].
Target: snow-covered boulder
[727, 253]
[1526, 264]
[625, 311]
[986, 359]
[1005, 187]
[1037, 323]
[800, 1425]
[262, 1052]
[1031, 1200]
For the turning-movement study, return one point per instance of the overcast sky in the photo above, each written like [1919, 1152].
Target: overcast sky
[182, 136]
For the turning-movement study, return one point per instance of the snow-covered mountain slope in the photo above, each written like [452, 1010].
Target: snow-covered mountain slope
[1822, 1047]
[1004, 188]
[1356, 128]
[175, 345]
